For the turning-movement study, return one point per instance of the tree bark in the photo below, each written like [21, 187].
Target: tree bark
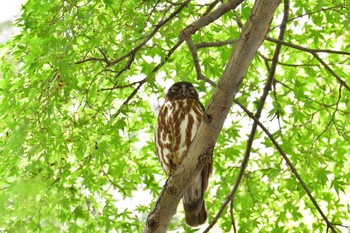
[253, 34]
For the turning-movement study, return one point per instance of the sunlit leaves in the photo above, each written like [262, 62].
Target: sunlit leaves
[76, 145]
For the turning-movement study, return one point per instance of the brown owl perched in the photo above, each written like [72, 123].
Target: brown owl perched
[178, 121]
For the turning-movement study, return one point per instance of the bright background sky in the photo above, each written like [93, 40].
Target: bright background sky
[9, 10]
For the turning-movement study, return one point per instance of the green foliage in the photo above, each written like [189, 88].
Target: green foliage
[79, 88]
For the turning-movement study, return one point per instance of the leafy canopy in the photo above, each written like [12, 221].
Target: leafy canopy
[80, 87]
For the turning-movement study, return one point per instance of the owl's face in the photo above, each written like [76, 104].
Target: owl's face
[181, 90]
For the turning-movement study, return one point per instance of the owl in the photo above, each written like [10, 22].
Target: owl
[177, 124]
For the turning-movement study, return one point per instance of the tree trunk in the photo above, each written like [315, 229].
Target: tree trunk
[253, 34]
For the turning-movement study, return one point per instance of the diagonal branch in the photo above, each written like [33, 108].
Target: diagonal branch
[314, 52]
[266, 91]
[243, 53]
[193, 50]
[155, 30]
[140, 83]
[209, 18]
[140, 45]
[290, 165]
[143, 81]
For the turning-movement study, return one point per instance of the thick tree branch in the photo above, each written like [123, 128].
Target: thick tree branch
[267, 89]
[215, 44]
[251, 38]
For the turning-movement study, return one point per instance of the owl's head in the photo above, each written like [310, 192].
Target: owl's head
[181, 90]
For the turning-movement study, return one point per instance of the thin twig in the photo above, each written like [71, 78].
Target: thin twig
[193, 50]
[143, 81]
[194, 54]
[307, 14]
[133, 93]
[118, 87]
[232, 216]
[211, 6]
[341, 225]
[126, 67]
[314, 52]
[331, 121]
[330, 70]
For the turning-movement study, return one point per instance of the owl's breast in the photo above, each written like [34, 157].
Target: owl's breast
[177, 125]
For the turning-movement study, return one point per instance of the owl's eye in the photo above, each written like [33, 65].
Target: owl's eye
[192, 90]
[174, 89]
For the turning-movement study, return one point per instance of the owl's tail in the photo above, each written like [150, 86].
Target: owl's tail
[193, 202]
[195, 213]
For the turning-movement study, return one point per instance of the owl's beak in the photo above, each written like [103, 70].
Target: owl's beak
[184, 90]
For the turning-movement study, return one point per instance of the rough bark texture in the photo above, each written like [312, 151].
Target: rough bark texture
[253, 34]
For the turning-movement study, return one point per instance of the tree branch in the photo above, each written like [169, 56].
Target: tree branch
[206, 19]
[155, 30]
[251, 38]
[139, 46]
[331, 121]
[232, 216]
[193, 50]
[143, 81]
[215, 44]
[267, 88]
[314, 52]
[209, 18]
[290, 165]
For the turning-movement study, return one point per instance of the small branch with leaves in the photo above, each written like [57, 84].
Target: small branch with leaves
[207, 18]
